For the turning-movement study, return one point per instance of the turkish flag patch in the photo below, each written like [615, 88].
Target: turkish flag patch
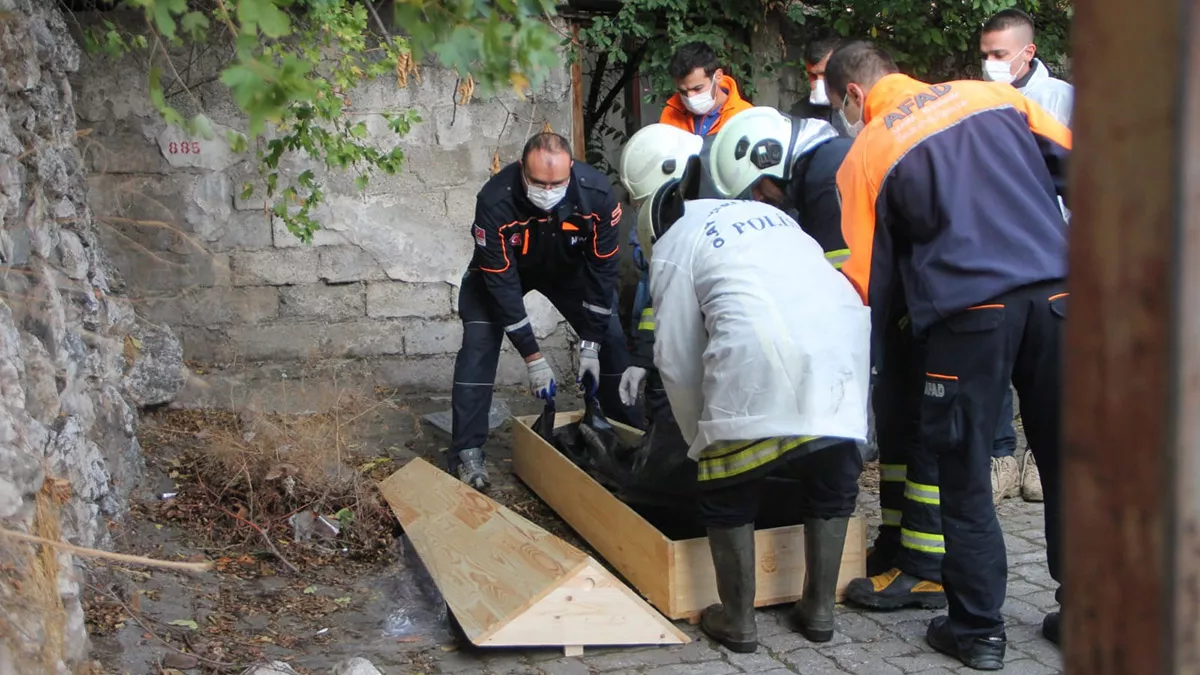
[480, 236]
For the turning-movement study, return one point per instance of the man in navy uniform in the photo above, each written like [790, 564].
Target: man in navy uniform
[544, 223]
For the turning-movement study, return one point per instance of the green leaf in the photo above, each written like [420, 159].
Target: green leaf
[309, 590]
[265, 15]
[194, 25]
[186, 623]
[164, 19]
[157, 98]
[201, 126]
[236, 140]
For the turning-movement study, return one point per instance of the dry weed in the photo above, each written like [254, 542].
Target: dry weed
[32, 623]
[310, 477]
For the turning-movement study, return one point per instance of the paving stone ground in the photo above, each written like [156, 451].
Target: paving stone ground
[865, 643]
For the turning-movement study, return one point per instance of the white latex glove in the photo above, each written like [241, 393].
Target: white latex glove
[541, 379]
[631, 383]
[589, 362]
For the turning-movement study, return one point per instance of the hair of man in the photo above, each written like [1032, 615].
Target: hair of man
[860, 62]
[1010, 18]
[817, 50]
[545, 141]
[691, 56]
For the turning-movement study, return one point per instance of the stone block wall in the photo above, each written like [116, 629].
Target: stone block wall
[379, 282]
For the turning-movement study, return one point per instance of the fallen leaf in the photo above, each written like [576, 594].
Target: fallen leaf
[180, 661]
[343, 601]
[310, 590]
[186, 623]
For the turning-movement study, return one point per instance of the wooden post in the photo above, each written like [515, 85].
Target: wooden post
[1132, 373]
[578, 139]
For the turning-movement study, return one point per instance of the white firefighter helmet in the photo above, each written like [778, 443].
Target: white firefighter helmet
[653, 155]
[664, 206]
[762, 142]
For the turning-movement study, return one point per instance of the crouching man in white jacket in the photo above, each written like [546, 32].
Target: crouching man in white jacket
[763, 349]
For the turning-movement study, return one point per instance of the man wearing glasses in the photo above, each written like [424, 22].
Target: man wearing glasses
[544, 223]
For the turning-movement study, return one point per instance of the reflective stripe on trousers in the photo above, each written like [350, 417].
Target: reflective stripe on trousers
[733, 458]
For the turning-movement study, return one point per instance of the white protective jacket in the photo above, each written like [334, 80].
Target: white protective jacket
[756, 335]
[1056, 96]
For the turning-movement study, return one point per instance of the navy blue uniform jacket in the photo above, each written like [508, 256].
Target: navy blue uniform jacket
[519, 248]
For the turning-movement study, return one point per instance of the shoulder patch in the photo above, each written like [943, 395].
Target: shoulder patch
[480, 236]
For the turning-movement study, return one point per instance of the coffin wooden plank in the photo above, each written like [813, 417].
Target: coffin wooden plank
[505, 579]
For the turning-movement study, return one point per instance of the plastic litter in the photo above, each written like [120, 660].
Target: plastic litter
[497, 415]
[419, 608]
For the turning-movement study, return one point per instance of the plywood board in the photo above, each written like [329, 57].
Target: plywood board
[508, 581]
[677, 577]
[622, 537]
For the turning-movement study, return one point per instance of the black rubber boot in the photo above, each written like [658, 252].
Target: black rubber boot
[984, 653]
[1050, 627]
[823, 543]
[895, 590]
[731, 623]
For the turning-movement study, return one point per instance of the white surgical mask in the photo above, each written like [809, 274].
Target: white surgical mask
[1000, 71]
[818, 96]
[851, 129]
[702, 103]
[545, 199]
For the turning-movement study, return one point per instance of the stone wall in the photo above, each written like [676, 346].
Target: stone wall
[378, 283]
[74, 359]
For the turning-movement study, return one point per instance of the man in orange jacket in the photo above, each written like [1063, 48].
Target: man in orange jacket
[950, 210]
[707, 98]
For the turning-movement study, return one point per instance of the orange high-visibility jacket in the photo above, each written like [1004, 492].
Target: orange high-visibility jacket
[677, 115]
[952, 188]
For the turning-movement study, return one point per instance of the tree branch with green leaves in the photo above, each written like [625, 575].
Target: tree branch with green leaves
[291, 65]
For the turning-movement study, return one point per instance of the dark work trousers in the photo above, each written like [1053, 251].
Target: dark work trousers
[1005, 444]
[911, 533]
[475, 366]
[829, 488]
[658, 408]
[970, 359]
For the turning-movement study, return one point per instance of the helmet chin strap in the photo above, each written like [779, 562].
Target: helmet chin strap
[667, 204]
[791, 161]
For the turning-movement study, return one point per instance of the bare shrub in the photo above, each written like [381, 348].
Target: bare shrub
[312, 476]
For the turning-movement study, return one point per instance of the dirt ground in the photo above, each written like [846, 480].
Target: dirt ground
[282, 590]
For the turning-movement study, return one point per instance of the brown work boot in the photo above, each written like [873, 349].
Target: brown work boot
[895, 590]
[1031, 479]
[1006, 478]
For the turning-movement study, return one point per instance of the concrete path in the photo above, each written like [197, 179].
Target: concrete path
[865, 643]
